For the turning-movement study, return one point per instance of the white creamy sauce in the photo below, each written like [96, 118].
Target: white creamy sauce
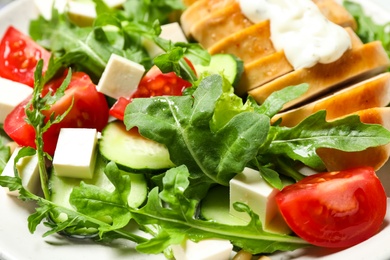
[299, 28]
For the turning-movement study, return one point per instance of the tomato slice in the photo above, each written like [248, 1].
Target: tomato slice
[335, 209]
[19, 55]
[154, 83]
[89, 110]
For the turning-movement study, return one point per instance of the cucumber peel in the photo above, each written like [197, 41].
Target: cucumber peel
[131, 151]
[229, 65]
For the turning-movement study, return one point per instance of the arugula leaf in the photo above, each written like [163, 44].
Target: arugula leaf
[367, 29]
[101, 204]
[183, 125]
[151, 10]
[267, 173]
[176, 221]
[346, 134]
[168, 62]
[77, 222]
[89, 48]
[5, 153]
[228, 106]
[275, 102]
[173, 59]
[114, 31]
[215, 135]
[36, 118]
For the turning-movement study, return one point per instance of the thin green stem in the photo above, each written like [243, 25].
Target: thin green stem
[42, 164]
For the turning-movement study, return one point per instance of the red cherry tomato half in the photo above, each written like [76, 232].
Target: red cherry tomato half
[154, 83]
[335, 209]
[19, 55]
[118, 109]
[89, 110]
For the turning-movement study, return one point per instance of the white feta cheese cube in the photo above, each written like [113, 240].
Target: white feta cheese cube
[250, 188]
[11, 94]
[45, 7]
[75, 154]
[28, 171]
[114, 3]
[120, 77]
[172, 32]
[83, 13]
[208, 249]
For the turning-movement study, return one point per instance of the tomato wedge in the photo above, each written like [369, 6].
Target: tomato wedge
[89, 110]
[19, 55]
[154, 83]
[335, 209]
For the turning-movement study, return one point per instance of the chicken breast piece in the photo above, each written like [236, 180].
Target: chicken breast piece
[376, 157]
[356, 64]
[373, 92]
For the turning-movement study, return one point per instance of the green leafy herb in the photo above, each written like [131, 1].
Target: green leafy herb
[36, 118]
[216, 136]
[346, 134]
[76, 222]
[5, 153]
[183, 125]
[173, 59]
[101, 204]
[89, 48]
[367, 29]
[122, 32]
[151, 10]
[176, 221]
[274, 103]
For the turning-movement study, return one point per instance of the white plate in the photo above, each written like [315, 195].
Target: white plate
[16, 243]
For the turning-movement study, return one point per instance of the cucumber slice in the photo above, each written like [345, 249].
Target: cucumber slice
[61, 188]
[231, 66]
[131, 151]
[215, 207]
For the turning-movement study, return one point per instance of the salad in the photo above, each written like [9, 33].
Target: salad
[218, 135]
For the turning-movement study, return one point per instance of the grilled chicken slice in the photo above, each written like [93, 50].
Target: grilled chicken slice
[199, 10]
[356, 64]
[219, 24]
[209, 21]
[262, 71]
[253, 43]
[375, 157]
[268, 68]
[373, 92]
[220, 27]
[189, 2]
[336, 13]
[249, 44]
